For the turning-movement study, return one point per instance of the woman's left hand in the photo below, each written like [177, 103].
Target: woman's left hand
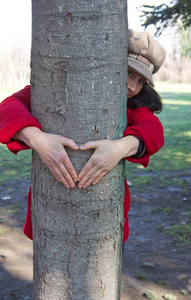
[106, 156]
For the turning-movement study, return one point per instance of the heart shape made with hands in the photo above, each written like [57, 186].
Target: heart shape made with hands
[104, 159]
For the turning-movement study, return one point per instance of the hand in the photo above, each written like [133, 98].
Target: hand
[54, 156]
[50, 148]
[106, 156]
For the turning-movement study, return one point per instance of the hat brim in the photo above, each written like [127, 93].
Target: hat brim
[141, 69]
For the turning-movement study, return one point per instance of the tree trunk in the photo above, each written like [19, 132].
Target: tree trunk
[78, 83]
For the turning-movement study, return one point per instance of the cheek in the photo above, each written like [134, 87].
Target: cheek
[138, 88]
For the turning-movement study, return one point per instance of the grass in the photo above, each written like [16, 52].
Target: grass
[16, 207]
[188, 214]
[182, 232]
[176, 153]
[165, 210]
[14, 167]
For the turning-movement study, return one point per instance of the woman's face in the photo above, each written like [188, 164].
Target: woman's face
[135, 82]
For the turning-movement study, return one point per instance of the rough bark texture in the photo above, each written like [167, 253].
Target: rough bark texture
[78, 78]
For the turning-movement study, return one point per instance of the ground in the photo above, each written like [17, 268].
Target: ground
[162, 259]
[158, 258]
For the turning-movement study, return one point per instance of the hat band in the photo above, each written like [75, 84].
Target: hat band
[142, 60]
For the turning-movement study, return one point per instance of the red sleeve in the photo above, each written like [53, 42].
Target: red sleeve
[15, 115]
[143, 123]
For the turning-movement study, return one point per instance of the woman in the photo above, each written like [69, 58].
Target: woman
[142, 138]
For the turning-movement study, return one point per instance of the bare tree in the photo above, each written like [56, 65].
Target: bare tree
[78, 78]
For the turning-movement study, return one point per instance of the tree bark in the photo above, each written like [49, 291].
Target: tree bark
[78, 90]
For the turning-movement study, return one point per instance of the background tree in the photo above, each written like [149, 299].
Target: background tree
[185, 44]
[163, 15]
[78, 82]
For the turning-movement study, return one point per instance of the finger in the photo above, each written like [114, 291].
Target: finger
[70, 169]
[84, 171]
[66, 176]
[68, 142]
[61, 164]
[99, 178]
[59, 176]
[71, 144]
[89, 177]
[63, 170]
[94, 164]
[94, 179]
[89, 145]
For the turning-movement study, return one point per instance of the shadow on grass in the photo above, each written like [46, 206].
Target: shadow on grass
[11, 287]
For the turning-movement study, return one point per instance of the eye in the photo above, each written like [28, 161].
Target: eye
[130, 73]
[142, 81]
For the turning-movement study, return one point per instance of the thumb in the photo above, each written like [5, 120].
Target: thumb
[70, 143]
[89, 145]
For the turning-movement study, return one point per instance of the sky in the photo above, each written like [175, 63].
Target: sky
[133, 14]
[15, 18]
[134, 19]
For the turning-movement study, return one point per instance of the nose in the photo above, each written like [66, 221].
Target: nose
[131, 85]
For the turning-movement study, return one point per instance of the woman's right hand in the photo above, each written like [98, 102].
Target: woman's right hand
[50, 148]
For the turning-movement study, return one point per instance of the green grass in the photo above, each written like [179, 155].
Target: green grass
[182, 232]
[176, 153]
[177, 127]
[166, 210]
[188, 214]
[14, 167]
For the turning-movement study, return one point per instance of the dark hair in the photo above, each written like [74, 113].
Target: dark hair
[147, 97]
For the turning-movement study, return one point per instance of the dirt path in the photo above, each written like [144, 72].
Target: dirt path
[149, 252]
[162, 259]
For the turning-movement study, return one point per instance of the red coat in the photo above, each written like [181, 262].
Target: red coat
[15, 115]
